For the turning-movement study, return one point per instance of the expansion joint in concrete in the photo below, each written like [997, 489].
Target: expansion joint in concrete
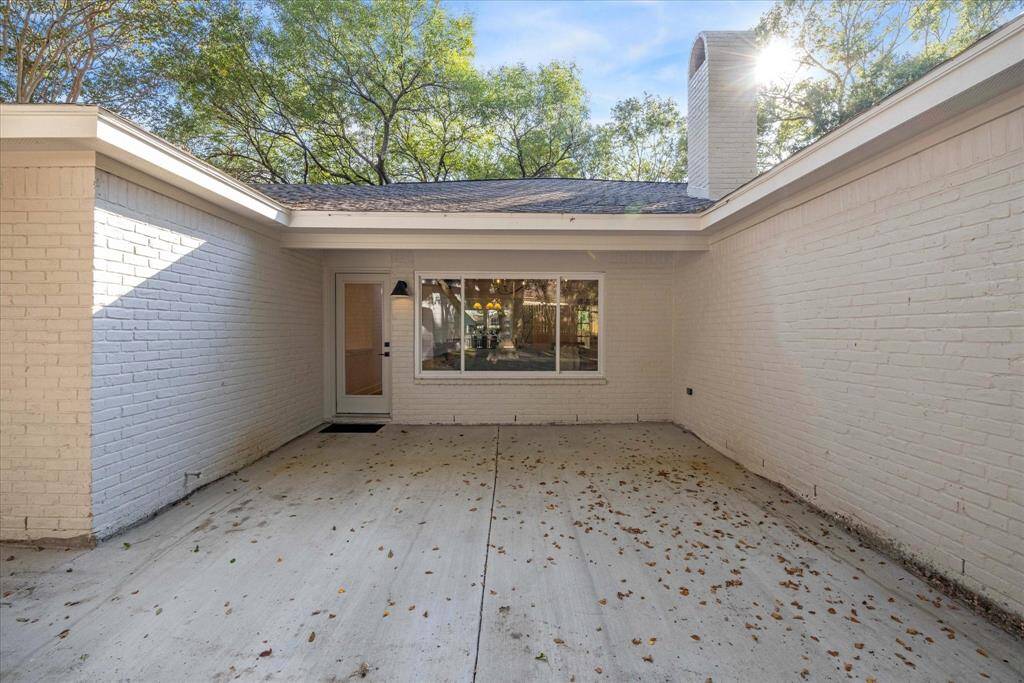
[487, 550]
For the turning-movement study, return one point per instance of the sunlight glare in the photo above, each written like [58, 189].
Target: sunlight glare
[776, 63]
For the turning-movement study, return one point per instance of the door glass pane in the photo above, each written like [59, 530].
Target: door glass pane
[579, 319]
[363, 366]
[440, 307]
[510, 325]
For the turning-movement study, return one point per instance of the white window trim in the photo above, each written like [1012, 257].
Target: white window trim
[557, 373]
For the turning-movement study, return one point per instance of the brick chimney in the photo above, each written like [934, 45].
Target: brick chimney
[722, 113]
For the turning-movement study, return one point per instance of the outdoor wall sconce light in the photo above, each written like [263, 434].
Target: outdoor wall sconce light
[401, 289]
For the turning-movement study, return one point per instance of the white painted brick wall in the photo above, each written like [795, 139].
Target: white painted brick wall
[636, 327]
[207, 349]
[866, 347]
[45, 323]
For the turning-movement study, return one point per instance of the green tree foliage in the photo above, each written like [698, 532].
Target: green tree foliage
[330, 91]
[378, 91]
[232, 100]
[101, 51]
[645, 140]
[444, 133]
[853, 53]
[365, 71]
[537, 122]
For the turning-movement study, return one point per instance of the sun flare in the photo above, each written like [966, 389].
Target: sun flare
[777, 62]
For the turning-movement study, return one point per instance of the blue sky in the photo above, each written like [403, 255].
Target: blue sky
[622, 48]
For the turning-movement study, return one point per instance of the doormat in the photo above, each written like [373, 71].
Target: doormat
[351, 428]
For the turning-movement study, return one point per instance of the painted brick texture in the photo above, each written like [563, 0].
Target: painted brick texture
[864, 349]
[207, 349]
[722, 115]
[45, 333]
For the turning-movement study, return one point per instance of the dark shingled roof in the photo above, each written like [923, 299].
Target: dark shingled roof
[534, 195]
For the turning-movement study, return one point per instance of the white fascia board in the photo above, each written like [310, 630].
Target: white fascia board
[503, 241]
[71, 123]
[1003, 51]
[123, 141]
[492, 222]
[35, 127]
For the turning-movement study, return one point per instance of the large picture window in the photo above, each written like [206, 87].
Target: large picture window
[509, 324]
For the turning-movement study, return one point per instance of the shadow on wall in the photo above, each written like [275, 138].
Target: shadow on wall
[783, 373]
[207, 349]
[736, 350]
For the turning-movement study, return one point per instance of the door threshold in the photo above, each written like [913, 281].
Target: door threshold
[360, 418]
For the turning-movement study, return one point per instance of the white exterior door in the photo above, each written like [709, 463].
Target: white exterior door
[363, 357]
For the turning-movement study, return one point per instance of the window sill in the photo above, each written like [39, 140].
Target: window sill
[565, 380]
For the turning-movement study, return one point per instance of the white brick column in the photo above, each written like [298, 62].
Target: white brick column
[46, 202]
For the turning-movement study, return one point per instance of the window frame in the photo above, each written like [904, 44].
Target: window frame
[463, 373]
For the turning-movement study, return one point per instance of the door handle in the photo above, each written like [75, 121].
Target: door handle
[386, 354]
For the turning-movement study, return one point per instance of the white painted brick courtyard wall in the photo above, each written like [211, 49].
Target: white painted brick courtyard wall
[636, 326]
[864, 349]
[207, 349]
[45, 323]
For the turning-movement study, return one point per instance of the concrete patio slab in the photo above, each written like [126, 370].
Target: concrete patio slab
[339, 554]
[616, 552]
[637, 552]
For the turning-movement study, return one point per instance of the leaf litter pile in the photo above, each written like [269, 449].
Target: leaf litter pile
[616, 552]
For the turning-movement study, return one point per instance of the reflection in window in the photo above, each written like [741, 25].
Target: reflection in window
[578, 341]
[440, 307]
[510, 325]
[475, 325]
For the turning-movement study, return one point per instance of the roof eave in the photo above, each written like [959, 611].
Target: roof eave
[994, 62]
[493, 221]
[28, 127]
